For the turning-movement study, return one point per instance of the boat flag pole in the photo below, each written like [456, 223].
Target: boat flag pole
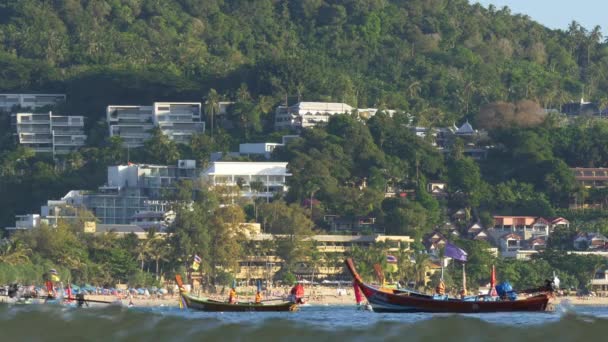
[464, 280]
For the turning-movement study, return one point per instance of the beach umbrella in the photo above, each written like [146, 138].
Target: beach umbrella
[140, 291]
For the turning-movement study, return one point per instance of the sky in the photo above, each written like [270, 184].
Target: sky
[558, 14]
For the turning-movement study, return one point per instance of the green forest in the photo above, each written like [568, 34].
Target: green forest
[437, 62]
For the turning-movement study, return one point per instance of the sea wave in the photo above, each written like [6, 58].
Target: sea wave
[55, 323]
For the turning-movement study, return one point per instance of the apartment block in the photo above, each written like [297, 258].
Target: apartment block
[48, 133]
[178, 120]
[242, 174]
[10, 102]
[309, 114]
[262, 149]
[132, 123]
[133, 194]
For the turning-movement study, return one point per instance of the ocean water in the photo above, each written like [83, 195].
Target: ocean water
[311, 323]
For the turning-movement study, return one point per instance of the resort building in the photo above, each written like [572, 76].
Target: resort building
[264, 264]
[591, 177]
[24, 222]
[136, 188]
[258, 149]
[516, 234]
[132, 123]
[133, 194]
[599, 283]
[309, 114]
[48, 133]
[271, 175]
[12, 102]
[178, 120]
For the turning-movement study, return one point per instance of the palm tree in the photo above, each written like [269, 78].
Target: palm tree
[315, 259]
[212, 106]
[13, 252]
[422, 263]
[256, 187]
[143, 251]
[159, 251]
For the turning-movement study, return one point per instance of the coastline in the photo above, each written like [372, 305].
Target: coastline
[323, 299]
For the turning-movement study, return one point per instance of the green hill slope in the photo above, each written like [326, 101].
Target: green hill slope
[438, 58]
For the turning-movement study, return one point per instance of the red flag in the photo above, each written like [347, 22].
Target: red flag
[493, 283]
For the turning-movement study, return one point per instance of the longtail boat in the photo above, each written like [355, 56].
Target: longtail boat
[206, 304]
[387, 300]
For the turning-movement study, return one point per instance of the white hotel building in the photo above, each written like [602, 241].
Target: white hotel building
[178, 120]
[45, 132]
[309, 114]
[8, 102]
[272, 175]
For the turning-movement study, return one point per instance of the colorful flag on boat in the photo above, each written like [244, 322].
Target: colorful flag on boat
[452, 251]
[54, 275]
[196, 263]
[391, 259]
[492, 291]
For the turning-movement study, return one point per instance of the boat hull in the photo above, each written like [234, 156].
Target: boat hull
[385, 301]
[203, 304]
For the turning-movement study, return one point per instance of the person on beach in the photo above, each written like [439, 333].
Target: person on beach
[440, 290]
[296, 294]
[258, 297]
[232, 296]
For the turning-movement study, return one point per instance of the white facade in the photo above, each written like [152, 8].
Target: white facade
[130, 190]
[178, 120]
[272, 175]
[45, 132]
[264, 149]
[132, 123]
[309, 114]
[29, 101]
[23, 222]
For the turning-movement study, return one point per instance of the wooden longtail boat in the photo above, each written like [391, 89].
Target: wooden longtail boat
[385, 300]
[205, 304]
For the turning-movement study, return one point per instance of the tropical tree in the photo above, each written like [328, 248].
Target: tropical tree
[212, 107]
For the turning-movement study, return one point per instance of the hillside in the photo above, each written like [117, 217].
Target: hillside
[440, 59]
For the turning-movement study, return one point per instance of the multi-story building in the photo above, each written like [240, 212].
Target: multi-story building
[517, 233]
[132, 123]
[241, 174]
[136, 188]
[178, 120]
[45, 132]
[591, 177]
[265, 264]
[10, 102]
[309, 114]
[131, 195]
[261, 149]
